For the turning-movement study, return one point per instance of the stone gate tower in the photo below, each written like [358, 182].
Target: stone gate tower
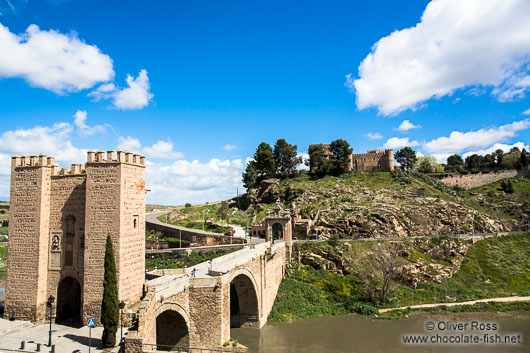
[58, 225]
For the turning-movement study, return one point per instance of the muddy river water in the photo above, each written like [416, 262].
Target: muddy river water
[358, 334]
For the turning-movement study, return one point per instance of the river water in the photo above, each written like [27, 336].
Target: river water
[354, 333]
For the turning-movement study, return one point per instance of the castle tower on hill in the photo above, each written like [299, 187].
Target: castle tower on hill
[372, 161]
[58, 224]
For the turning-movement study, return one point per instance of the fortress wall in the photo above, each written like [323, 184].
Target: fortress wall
[132, 233]
[469, 181]
[27, 258]
[102, 218]
[68, 196]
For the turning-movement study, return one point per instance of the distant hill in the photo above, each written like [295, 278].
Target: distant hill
[383, 205]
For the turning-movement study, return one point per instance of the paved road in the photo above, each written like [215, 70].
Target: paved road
[471, 302]
[66, 339]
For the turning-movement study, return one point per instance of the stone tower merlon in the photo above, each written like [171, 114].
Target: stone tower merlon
[58, 225]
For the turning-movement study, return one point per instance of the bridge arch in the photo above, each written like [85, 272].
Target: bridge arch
[245, 306]
[172, 327]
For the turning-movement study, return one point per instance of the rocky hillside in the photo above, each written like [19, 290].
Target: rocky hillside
[384, 205]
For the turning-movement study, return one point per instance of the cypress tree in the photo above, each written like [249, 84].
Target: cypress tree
[109, 305]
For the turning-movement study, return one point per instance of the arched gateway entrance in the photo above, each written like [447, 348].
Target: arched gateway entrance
[69, 301]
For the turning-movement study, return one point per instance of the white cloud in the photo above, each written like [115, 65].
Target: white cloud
[460, 141]
[55, 141]
[374, 136]
[136, 96]
[229, 147]
[192, 181]
[83, 129]
[305, 158]
[399, 142]
[526, 112]
[457, 44]
[129, 144]
[179, 182]
[497, 146]
[162, 149]
[52, 60]
[406, 125]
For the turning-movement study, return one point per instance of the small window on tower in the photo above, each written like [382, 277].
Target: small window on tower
[135, 221]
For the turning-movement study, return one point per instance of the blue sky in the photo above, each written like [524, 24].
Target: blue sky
[209, 80]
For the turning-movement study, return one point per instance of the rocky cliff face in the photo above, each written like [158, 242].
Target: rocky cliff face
[385, 208]
[419, 260]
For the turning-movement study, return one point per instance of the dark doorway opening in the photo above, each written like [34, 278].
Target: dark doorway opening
[171, 332]
[69, 302]
[244, 311]
[277, 231]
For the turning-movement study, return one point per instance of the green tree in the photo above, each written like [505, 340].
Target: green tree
[474, 162]
[507, 186]
[455, 161]
[524, 158]
[265, 164]
[428, 164]
[250, 175]
[512, 159]
[222, 212]
[341, 152]
[109, 304]
[498, 157]
[286, 158]
[319, 163]
[406, 157]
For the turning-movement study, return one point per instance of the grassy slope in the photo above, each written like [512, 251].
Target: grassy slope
[375, 181]
[505, 262]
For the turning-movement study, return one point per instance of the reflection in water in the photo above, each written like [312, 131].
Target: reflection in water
[351, 333]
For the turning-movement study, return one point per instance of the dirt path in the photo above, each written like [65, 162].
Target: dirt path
[471, 302]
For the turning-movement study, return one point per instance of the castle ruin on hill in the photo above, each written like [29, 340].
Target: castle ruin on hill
[58, 224]
[377, 160]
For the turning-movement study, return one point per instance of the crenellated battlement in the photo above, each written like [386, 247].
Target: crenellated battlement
[76, 169]
[115, 157]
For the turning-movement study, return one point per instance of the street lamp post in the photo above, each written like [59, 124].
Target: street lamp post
[49, 304]
[122, 306]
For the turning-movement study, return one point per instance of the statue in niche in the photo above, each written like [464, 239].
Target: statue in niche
[56, 243]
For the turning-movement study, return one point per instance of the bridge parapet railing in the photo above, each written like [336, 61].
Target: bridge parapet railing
[154, 348]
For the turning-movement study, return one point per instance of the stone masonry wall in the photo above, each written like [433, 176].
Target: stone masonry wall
[68, 196]
[469, 181]
[131, 263]
[102, 218]
[28, 242]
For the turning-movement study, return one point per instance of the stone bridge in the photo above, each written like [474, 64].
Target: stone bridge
[183, 312]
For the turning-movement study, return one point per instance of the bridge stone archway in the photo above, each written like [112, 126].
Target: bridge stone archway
[172, 328]
[245, 307]
[196, 301]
